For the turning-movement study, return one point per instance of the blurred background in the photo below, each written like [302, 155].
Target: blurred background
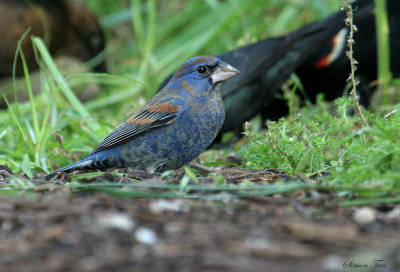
[148, 40]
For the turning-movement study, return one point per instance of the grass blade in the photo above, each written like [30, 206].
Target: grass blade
[78, 106]
[383, 49]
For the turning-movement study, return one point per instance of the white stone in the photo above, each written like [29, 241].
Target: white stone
[364, 215]
[119, 221]
[146, 236]
[332, 262]
[160, 205]
[395, 213]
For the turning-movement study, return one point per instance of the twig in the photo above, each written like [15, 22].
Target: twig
[204, 169]
[353, 63]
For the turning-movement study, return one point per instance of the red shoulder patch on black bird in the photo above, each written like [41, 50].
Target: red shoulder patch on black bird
[338, 45]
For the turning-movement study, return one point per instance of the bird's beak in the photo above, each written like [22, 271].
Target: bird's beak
[223, 72]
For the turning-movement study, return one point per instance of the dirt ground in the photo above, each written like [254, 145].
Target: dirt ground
[63, 231]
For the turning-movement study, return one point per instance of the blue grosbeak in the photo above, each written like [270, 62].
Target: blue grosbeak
[72, 30]
[268, 64]
[173, 128]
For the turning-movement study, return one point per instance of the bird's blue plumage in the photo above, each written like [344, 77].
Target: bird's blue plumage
[173, 128]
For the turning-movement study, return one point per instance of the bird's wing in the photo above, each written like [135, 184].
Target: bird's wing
[149, 117]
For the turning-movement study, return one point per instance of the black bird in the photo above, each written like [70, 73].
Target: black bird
[65, 25]
[267, 64]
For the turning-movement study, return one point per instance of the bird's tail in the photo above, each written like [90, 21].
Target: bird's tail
[79, 165]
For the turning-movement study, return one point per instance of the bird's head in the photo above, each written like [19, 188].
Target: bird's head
[203, 72]
[86, 36]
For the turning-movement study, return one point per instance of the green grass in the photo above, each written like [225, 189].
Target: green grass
[384, 73]
[335, 147]
[139, 58]
[146, 41]
[330, 145]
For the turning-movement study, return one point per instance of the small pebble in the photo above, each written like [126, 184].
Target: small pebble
[146, 236]
[6, 225]
[332, 262]
[257, 242]
[161, 205]
[395, 213]
[364, 215]
[119, 221]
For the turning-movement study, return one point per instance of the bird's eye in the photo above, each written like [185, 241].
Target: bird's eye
[95, 42]
[202, 69]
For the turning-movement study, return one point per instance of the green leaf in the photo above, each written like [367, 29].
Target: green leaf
[25, 166]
